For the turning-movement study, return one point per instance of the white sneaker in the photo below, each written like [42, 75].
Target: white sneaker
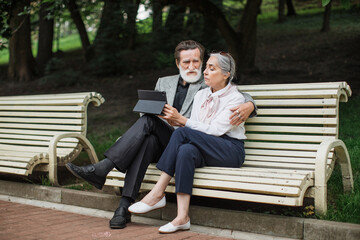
[169, 228]
[141, 208]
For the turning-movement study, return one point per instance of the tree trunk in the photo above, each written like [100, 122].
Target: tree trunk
[131, 8]
[21, 61]
[108, 37]
[46, 36]
[247, 31]
[175, 19]
[326, 19]
[281, 11]
[76, 17]
[291, 8]
[157, 16]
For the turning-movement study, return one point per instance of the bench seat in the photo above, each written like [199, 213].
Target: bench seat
[40, 132]
[291, 149]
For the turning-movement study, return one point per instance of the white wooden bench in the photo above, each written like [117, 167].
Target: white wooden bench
[40, 132]
[291, 149]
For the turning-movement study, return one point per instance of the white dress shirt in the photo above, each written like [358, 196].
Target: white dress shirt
[220, 123]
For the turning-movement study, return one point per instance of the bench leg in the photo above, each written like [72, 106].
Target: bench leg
[342, 156]
[53, 155]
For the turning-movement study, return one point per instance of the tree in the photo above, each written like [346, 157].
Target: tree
[46, 35]
[326, 19]
[21, 62]
[131, 8]
[327, 13]
[76, 17]
[281, 10]
[242, 41]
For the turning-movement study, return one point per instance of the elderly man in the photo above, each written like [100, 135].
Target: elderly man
[144, 142]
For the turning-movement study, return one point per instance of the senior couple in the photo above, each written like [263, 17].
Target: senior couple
[202, 125]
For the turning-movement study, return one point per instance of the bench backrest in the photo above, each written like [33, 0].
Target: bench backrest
[27, 124]
[293, 119]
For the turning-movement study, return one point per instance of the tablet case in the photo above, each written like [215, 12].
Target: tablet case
[150, 101]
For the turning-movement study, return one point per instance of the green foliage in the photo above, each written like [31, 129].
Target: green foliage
[163, 59]
[45, 181]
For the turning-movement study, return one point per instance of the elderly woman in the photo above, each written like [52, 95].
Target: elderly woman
[207, 139]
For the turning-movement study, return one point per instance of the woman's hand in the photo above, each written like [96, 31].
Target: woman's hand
[173, 117]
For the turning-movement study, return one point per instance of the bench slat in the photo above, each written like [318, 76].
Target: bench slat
[292, 120]
[36, 143]
[243, 171]
[297, 111]
[289, 138]
[43, 120]
[322, 93]
[296, 102]
[291, 129]
[81, 95]
[61, 102]
[35, 137]
[291, 86]
[284, 146]
[43, 114]
[42, 126]
[223, 194]
[13, 164]
[43, 108]
[13, 170]
[270, 152]
[32, 132]
[14, 158]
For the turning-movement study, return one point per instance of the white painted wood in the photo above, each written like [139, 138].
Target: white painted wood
[296, 102]
[297, 111]
[61, 121]
[73, 115]
[291, 129]
[28, 125]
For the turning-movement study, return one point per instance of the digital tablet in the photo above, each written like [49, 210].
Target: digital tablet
[150, 101]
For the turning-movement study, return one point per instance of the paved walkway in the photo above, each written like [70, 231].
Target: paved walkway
[20, 221]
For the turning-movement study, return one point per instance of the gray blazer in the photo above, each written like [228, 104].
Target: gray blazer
[169, 85]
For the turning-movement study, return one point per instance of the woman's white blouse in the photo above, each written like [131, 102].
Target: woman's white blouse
[220, 123]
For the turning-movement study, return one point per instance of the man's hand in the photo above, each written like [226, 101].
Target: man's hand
[172, 116]
[172, 123]
[241, 113]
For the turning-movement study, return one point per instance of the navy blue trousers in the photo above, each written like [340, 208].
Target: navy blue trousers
[189, 149]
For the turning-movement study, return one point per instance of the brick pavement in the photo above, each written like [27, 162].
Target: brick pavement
[19, 221]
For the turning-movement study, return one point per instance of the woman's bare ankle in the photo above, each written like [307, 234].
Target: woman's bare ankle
[180, 220]
[151, 198]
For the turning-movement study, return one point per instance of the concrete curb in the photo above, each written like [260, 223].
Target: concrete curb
[229, 220]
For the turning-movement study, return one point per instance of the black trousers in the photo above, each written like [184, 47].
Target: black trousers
[142, 144]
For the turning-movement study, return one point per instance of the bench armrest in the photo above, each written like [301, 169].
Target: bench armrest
[53, 155]
[342, 156]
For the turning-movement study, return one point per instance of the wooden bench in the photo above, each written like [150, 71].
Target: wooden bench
[40, 132]
[291, 149]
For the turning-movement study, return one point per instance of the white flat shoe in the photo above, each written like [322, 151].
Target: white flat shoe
[141, 208]
[169, 228]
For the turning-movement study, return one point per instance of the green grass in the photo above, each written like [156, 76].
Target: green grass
[346, 207]
[66, 44]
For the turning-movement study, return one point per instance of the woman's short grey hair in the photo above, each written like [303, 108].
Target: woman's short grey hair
[226, 63]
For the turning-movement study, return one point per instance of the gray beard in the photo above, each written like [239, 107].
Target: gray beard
[191, 79]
